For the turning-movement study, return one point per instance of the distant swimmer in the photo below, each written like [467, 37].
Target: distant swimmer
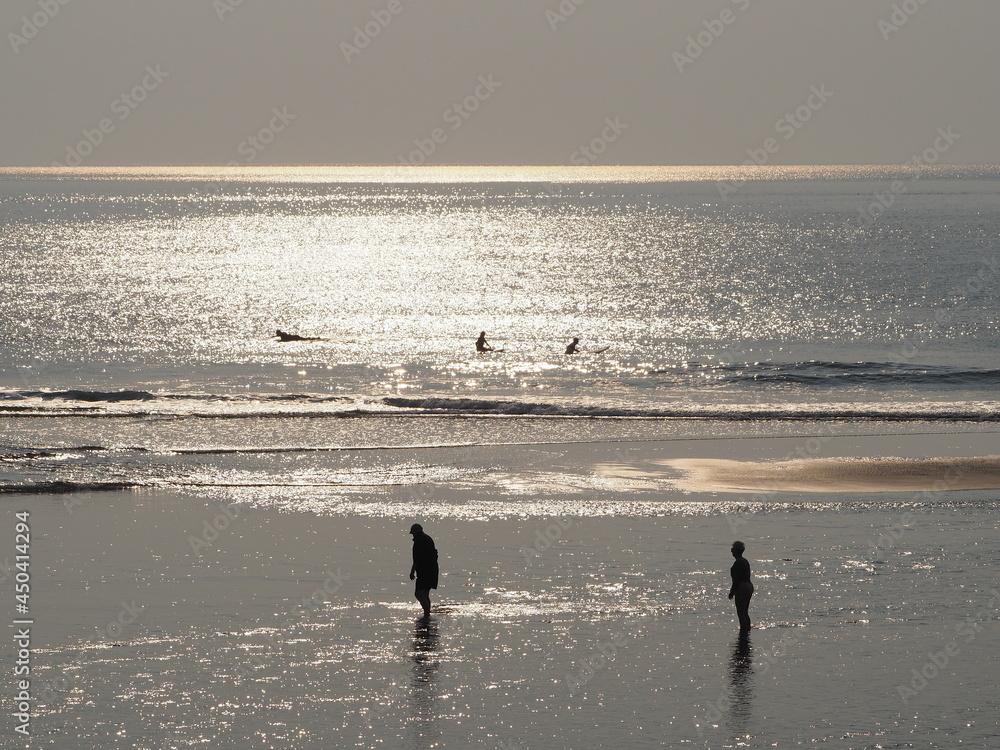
[282, 336]
[483, 346]
[571, 349]
[425, 567]
[742, 589]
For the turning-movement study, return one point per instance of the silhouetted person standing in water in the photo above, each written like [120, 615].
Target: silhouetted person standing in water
[425, 567]
[571, 349]
[481, 345]
[742, 589]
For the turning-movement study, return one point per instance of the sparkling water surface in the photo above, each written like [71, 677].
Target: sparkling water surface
[172, 283]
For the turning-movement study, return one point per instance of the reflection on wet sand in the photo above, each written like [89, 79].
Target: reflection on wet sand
[424, 692]
[741, 687]
[838, 474]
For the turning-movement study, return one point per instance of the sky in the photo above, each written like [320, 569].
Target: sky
[548, 82]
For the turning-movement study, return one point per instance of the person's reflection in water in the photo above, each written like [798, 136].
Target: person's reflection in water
[741, 688]
[424, 695]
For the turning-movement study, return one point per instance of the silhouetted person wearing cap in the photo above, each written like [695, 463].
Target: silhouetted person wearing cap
[742, 590]
[425, 567]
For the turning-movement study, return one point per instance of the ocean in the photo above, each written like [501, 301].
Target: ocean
[724, 314]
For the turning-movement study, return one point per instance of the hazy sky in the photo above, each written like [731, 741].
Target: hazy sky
[104, 82]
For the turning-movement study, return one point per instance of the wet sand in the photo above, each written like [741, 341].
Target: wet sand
[884, 474]
[575, 610]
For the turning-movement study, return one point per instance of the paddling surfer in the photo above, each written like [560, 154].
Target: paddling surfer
[425, 567]
[742, 589]
[574, 348]
[282, 336]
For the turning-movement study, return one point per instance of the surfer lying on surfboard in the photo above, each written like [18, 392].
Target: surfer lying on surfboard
[282, 336]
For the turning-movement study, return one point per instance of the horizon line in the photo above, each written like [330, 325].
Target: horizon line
[574, 167]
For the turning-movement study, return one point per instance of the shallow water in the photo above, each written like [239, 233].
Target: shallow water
[616, 631]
